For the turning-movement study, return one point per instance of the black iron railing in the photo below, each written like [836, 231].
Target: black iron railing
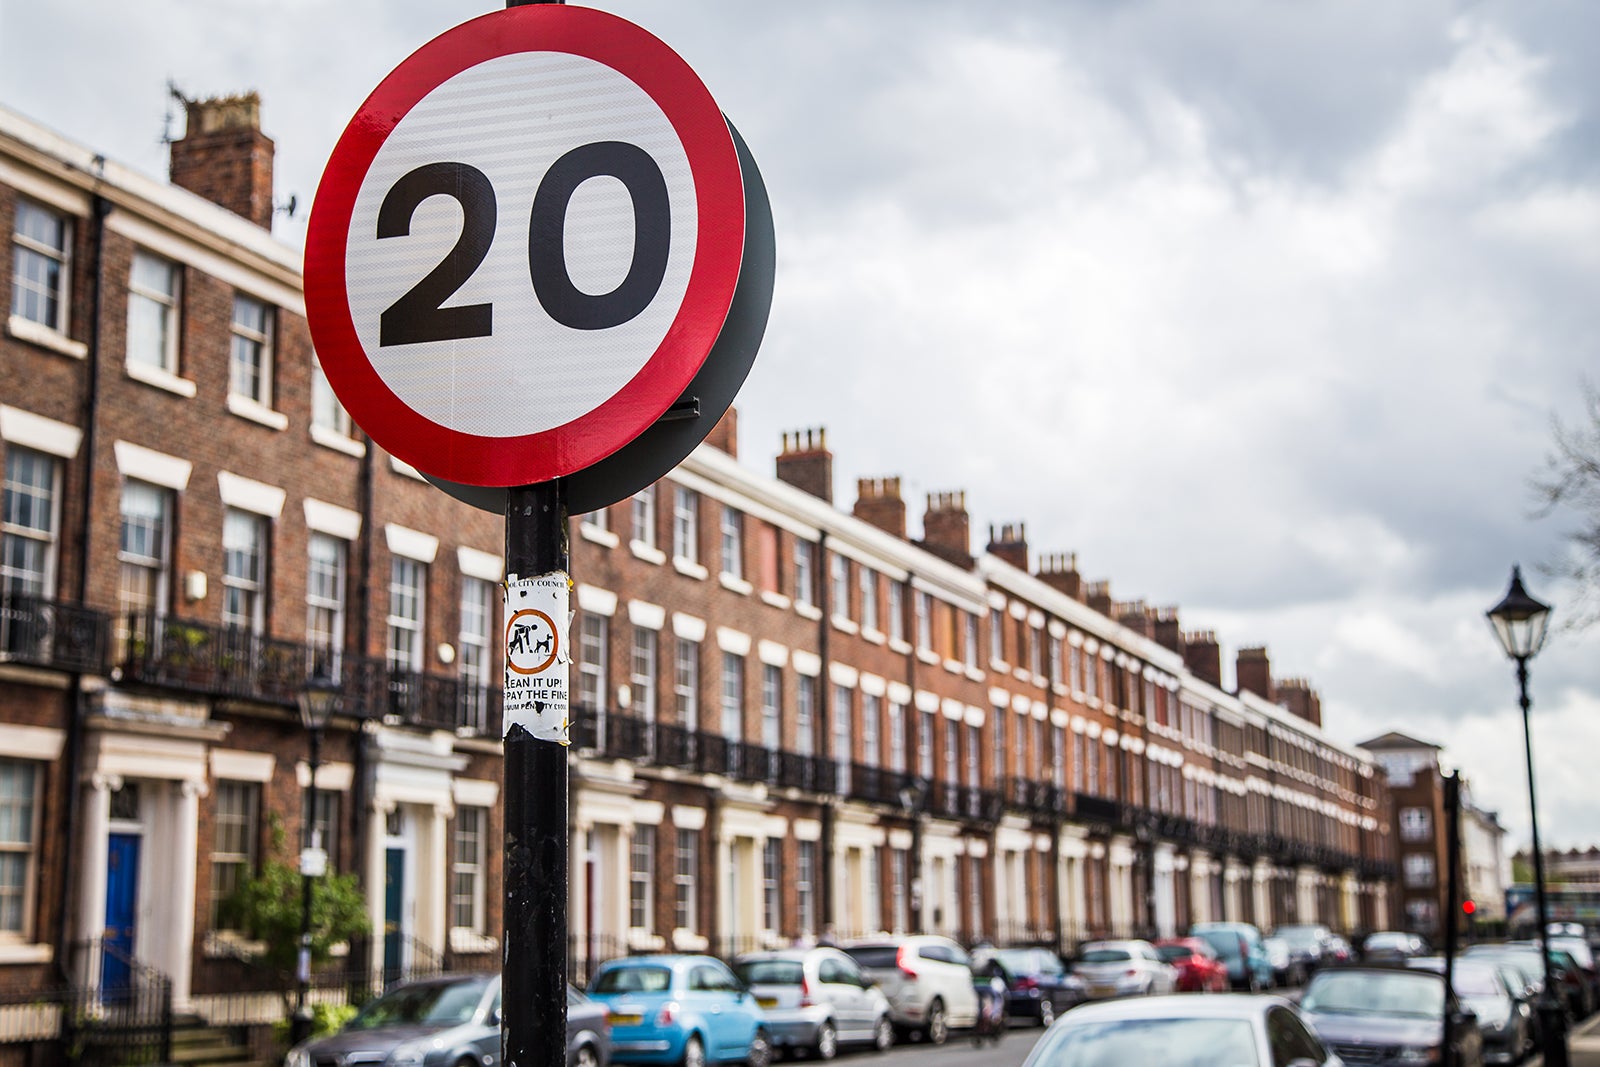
[53, 634]
[118, 1011]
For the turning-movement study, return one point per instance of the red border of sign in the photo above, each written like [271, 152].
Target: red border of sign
[719, 192]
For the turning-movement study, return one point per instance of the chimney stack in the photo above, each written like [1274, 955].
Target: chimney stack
[1059, 570]
[1011, 544]
[1098, 596]
[1296, 695]
[878, 502]
[1252, 672]
[1167, 634]
[806, 463]
[1137, 617]
[224, 157]
[724, 436]
[1203, 656]
[945, 531]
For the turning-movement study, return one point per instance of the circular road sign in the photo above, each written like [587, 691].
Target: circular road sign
[524, 245]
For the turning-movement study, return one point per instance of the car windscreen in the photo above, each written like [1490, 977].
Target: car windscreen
[770, 972]
[1106, 955]
[1225, 942]
[1412, 994]
[1175, 953]
[427, 1004]
[1477, 982]
[879, 956]
[633, 980]
[1133, 1042]
[1027, 961]
[1300, 936]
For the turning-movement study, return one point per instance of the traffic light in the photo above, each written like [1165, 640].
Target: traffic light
[1468, 908]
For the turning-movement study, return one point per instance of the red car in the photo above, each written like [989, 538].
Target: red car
[1199, 969]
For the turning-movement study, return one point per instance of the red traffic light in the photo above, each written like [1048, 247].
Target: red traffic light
[1468, 907]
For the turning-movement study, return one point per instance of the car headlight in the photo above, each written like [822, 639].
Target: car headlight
[1416, 1054]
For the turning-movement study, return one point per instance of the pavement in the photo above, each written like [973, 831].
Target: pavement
[1583, 1045]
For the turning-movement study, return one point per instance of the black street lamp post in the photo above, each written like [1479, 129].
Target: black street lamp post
[1520, 622]
[317, 701]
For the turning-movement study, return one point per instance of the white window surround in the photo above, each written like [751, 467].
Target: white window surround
[247, 494]
[38, 333]
[597, 601]
[475, 792]
[874, 685]
[899, 693]
[331, 519]
[256, 411]
[161, 379]
[24, 428]
[843, 674]
[239, 766]
[41, 743]
[953, 709]
[807, 830]
[734, 641]
[688, 627]
[400, 466]
[335, 777]
[412, 544]
[646, 615]
[685, 817]
[806, 663]
[926, 701]
[337, 441]
[476, 563]
[772, 654]
[147, 465]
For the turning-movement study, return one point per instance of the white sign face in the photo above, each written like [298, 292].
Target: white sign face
[496, 132]
[537, 624]
[524, 245]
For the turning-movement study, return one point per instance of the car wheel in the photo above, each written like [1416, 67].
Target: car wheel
[883, 1035]
[694, 1053]
[760, 1054]
[1047, 1012]
[938, 1027]
[827, 1042]
[586, 1057]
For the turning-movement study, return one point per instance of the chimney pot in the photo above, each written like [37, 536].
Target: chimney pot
[806, 463]
[878, 502]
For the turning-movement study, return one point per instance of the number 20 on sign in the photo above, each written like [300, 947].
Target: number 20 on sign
[524, 246]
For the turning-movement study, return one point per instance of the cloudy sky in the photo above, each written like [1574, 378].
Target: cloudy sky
[1264, 309]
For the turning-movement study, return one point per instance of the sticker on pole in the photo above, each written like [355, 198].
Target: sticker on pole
[524, 245]
[537, 657]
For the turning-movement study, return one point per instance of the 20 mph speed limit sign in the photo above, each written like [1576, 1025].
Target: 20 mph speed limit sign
[524, 245]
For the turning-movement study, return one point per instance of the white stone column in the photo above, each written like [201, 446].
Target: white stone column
[92, 884]
[186, 839]
[725, 908]
[1166, 904]
[578, 917]
[377, 842]
[433, 880]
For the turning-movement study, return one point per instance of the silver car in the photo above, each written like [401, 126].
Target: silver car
[1222, 1030]
[1123, 968]
[816, 999]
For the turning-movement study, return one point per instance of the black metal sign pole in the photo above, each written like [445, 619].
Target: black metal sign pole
[533, 979]
[533, 1028]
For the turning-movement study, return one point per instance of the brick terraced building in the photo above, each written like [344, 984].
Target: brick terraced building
[791, 718]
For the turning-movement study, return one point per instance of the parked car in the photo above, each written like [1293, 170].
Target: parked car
[448, 1021]
[1583, 956]
[1339, 950]
[1309, 946]
[1123, 968]
[1221, 1031]
[1196, 963]
[927, 978]
[1038, 984]
[1284, 971]
[1389, 1015]
[1392, 945]
[1238, 946]
[1572, 986]
[816, 999]
[680, 1009]
[1504, 1016]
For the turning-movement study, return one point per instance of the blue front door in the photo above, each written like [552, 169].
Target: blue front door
[394, 896]
[122, 902]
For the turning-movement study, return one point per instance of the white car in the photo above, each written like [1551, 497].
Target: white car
[1223, 1030]
[927, 978]
[816, 999]
[1123, 968]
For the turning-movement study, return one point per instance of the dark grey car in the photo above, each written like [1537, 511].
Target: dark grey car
[450, 1021]
[1389, 1016]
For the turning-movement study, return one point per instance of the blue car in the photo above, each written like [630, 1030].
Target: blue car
[1240, 947]
[680, 1009]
